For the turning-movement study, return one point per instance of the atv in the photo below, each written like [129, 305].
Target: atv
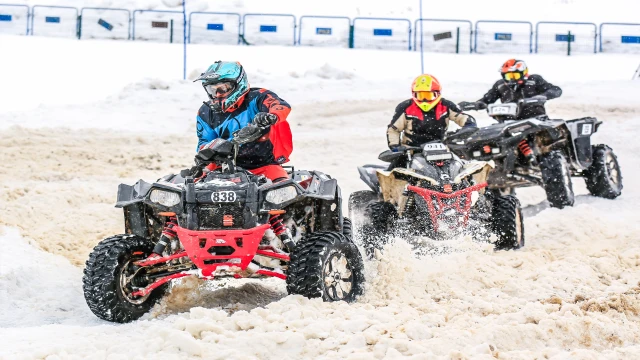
[540, 152]
[224, 223]
[428, 191]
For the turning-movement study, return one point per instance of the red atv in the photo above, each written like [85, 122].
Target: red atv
[225, 223]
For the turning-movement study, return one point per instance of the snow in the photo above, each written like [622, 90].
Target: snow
[79, 117]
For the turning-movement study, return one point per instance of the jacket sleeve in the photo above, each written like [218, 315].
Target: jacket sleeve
[546, 88]
[205, 133]
[492, 95]
[397, 125]
[273, 104]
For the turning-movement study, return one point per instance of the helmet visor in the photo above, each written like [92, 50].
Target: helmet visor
[219, 90]
[510, 76]
[426, 95]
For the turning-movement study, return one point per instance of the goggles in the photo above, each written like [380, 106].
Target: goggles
[426, 95]
[512, 76]
[219, 90]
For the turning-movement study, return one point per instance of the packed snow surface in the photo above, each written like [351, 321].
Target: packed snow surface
[74, 127]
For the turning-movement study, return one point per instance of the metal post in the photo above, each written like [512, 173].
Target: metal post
[421, 44]
[458, 40]
[569, 44]
[171, 32]
[184, 31]
[350, 36]
[79, 28]
[636, 75]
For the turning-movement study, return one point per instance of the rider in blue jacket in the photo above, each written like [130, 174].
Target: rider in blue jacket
[232, 105]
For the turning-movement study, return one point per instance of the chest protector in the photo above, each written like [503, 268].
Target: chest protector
[426, 126]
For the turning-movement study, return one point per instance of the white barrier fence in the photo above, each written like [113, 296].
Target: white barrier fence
[14, 19]
[56, 21]
[324, 31]
[380, 33]
[214, 28]
[100, 23]
[448, 36]
[157, 25]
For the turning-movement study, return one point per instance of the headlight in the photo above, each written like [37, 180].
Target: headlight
[278, 196]
[165, 198]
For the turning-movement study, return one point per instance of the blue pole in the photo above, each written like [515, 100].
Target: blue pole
[421, 50]
[184, 40]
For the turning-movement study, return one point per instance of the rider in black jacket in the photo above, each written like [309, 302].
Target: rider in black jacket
[516, 84]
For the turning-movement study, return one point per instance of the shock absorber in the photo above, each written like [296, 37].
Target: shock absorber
[524, 148]
[168, 234]
[281, 231]
[410, 201]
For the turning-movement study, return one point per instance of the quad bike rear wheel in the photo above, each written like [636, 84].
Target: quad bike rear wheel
[347, 228]
[359, 200]
[556, 176]
[379, 216]
[603, 177]
[326, 265]
[109, 277]
[507, 223]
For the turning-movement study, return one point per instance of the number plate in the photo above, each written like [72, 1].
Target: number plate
[586, 129]
[500, 110]
[223, 196]
[434, 146]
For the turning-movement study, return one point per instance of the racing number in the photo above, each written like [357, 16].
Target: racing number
[223, 196]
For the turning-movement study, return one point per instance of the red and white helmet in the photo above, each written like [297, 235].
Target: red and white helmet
[514, 71]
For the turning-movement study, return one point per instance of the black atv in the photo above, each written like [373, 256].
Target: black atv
[540, 152]
[224, 223]
[428, 191]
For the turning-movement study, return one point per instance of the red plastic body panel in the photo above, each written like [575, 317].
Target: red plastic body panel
[198, 243]
[431, 195]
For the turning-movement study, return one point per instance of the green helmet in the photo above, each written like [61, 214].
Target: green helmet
[226, 84]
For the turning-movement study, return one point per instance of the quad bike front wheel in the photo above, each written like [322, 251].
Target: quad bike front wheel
[557, 179]
[347, 228]
[110, 275]
[603, 177]
[507, 223]
[326, 265]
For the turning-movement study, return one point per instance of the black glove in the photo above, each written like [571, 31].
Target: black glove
[264, 119]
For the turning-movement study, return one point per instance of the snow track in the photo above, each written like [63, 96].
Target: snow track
[572, 292]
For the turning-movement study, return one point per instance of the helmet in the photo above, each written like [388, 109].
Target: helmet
[226, 84]
[425, 91]
[514, 71]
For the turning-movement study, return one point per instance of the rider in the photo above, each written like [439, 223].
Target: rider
[232, 106]
[516, 84]
[425, 117]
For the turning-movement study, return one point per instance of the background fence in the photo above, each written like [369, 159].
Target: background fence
[565, 37]
[620, 38]
[430, 35]
[14, 19]
[158, 25]
[214, 28]
[102, 23]
[493, 36]
[57, 21]
[440, 35]
[269, 29]
[330, 31]
[381, 33]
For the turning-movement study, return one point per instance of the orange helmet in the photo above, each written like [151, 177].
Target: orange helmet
[514, 71]
[425, 92]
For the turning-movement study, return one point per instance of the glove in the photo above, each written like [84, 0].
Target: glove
[264, 119]
[467, 105]
[481, 105]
